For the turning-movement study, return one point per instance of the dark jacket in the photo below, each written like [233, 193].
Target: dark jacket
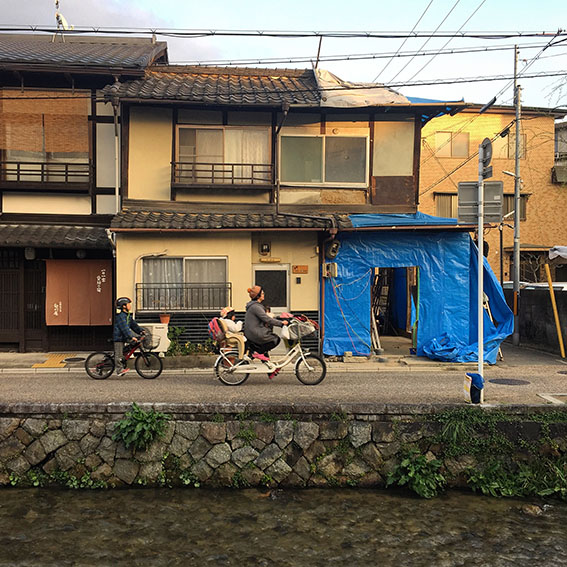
[124, 324]
[258, 324]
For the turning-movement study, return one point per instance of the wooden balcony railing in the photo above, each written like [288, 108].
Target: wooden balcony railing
[14, 174]
[190, 174]
[171, 297]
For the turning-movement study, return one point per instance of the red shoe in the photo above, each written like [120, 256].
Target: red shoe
[274, 373]
[261, 357]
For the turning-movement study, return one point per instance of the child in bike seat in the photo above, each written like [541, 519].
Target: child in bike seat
[232, 330]
[124, 331]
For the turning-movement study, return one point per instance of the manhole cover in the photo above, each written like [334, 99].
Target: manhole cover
[74, 359]
[509, 381]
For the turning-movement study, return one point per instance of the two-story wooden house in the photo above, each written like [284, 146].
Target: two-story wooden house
[57, 186]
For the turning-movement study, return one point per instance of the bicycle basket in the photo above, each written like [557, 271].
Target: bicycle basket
[150, 341]
[300, 329]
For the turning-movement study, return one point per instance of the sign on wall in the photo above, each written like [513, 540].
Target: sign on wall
[78, 292]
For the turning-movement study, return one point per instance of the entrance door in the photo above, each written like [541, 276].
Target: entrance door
[274, 279]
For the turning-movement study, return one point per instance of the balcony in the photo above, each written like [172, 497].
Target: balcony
[42, 176]
[176, 297]
[242, 175]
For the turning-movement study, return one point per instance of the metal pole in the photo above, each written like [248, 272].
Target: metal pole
[517, 183]
[480, 242]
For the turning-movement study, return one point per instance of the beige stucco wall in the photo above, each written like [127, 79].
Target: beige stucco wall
[393, 148]
[149, 167]
[35, 203]
[241, 249]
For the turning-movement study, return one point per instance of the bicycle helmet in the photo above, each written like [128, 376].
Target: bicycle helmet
[121, 301]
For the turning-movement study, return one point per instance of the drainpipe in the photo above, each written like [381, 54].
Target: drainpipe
[115, 101]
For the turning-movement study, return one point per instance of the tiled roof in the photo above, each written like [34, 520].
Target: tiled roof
[53, 236]
[223, 85]
[19, 50]
[127, 219]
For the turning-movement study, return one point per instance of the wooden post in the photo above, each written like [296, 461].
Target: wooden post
[555, 313]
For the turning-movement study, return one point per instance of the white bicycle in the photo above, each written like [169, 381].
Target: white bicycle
[310, 369]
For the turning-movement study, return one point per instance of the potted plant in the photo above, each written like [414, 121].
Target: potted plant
[164, 318]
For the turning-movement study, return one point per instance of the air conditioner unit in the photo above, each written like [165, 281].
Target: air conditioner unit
[330, 270]
[159, 331]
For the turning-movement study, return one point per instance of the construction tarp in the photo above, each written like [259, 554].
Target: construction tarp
[447, 299]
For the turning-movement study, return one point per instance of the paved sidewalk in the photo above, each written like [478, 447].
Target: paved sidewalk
[524, 377]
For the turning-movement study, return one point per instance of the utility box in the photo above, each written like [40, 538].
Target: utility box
[468, 202]
[159, 332]
[330, 270]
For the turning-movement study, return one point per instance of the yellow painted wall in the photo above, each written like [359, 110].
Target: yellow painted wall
[149, 167]
[241, 248]
[35, 203]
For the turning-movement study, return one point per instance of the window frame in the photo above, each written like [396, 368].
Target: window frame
[452, 135]
[323, 183]
[506, 198]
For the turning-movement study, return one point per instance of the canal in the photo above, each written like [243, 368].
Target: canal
[314, 527]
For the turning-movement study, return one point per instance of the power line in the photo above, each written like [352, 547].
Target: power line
[196, 33]
[426, 41]
[359, 56]
[448, 41]
[404, 42]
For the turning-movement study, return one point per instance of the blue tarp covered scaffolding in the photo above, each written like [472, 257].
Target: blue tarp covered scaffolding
[447, 261]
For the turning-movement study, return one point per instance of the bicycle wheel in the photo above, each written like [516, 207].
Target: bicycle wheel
[99, 365]
[311, 370]
[223, 366]
[148, 365]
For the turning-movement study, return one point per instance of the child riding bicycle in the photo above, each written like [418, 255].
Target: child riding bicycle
[124, 328]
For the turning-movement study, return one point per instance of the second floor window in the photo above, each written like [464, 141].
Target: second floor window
[324, 159]
[229, 155]
[446, 205]
[451, 144]
[44, 136]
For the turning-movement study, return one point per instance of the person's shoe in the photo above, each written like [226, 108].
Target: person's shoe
[274, 373]
[261, 357]
[122, 372]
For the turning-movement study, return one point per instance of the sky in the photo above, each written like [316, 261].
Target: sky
[440, 16]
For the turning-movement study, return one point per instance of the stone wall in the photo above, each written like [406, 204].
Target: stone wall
[239, 445]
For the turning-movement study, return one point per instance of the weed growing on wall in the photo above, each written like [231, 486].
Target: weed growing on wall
[139, 427]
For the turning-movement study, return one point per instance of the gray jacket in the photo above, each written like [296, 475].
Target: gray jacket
[258, 324]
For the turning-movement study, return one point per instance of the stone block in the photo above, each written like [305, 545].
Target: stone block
[243, 456]
[360, 433]
[51, 466]
[68, 455]
[23, 436]
[126, 470]
[213, 432]
[283, 433]
[333, 430]
[356, 469]
[7, 426]
[35, 453]
[223, 476]
[218, 455]
[75, 429]
[199, 448]
[179, 445]
[35, 426]
[232, 430]
[92, 462]
[18, 466]
[98, 428]
[52, 440]
[104, 472]
[252, 476]
[150, 472]
[202, 471]
[268, 456]
[302, 469]
[278, 470]
[10, 448]
[383, 432]
[188, 429]
[305, 433]
[89, 443]
[372, 456]
[315, 450]
[329, 466]
[264, 432]
[107, 450]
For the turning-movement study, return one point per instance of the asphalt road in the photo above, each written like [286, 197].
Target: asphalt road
[431, 386]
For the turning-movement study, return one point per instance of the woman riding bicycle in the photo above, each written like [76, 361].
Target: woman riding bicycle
[258, 325]
[124, 329]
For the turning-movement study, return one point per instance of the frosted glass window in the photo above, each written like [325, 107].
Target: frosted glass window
[345, 160]
[302, 159]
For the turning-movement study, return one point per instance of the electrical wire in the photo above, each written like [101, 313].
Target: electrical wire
[404, 42]
[448, 41]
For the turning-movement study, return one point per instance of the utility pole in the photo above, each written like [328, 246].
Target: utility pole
[517, 186]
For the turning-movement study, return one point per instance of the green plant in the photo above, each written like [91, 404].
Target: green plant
[187, 478]
[139, 427]
[179, 348]
[419, 474]
[246, 433]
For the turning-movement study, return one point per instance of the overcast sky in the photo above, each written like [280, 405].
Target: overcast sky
[356, 15]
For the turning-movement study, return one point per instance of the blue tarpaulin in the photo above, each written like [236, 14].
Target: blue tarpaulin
[447, 262]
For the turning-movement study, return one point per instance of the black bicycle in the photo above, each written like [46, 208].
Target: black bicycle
[100, 365]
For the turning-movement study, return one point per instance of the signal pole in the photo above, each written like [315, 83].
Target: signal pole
[517, 186]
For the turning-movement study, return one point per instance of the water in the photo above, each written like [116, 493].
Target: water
[280, 528]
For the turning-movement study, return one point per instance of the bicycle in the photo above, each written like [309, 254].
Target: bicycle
[100, 365]
[310, 369]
